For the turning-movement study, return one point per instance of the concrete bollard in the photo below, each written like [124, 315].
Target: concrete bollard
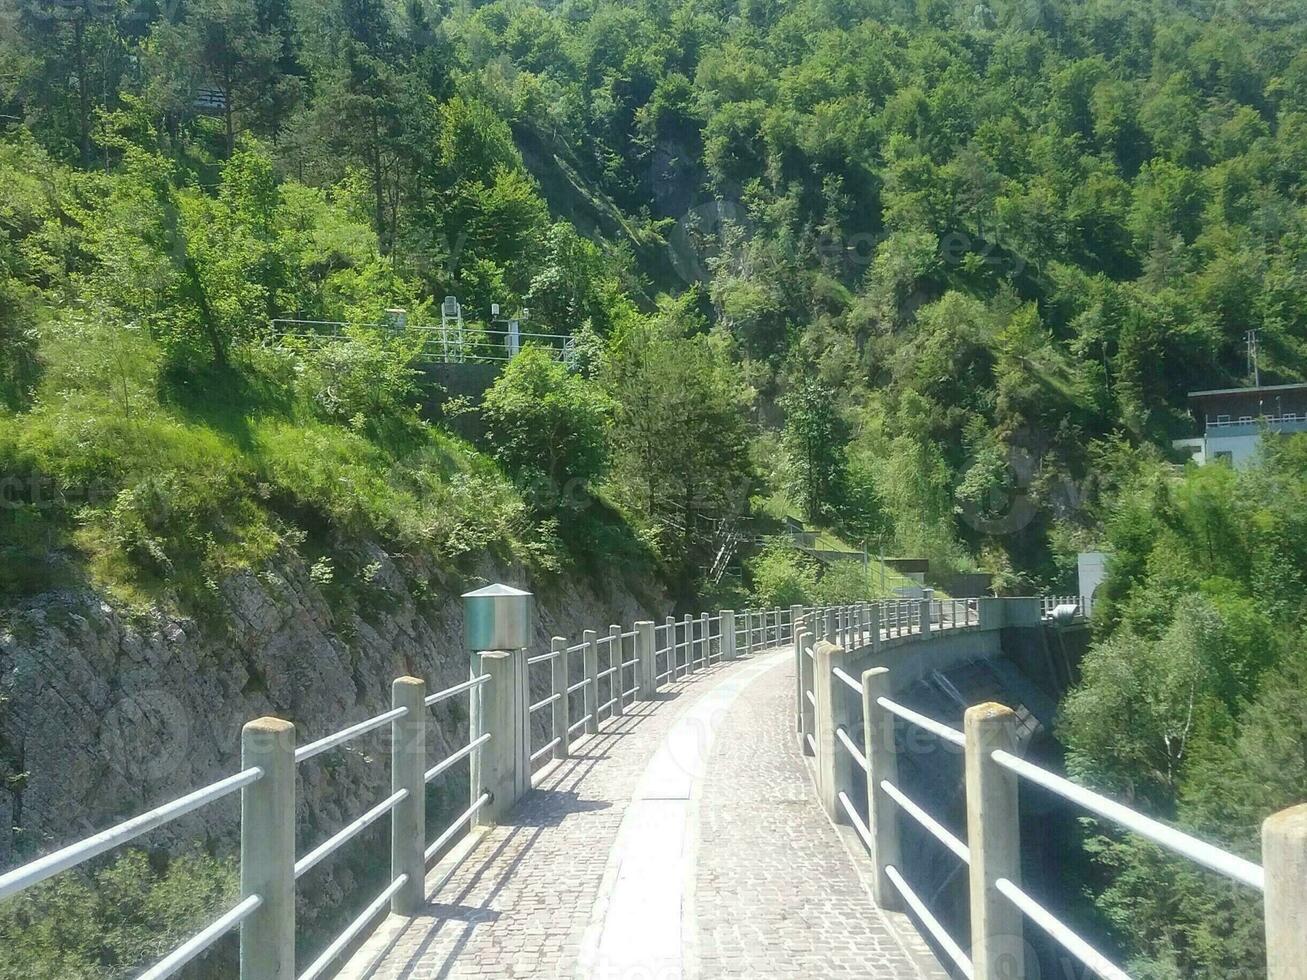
[408, 820]
[727, 629]
[502, 767]
[834, 764]
[617, 679]
[689, 643]
[1284, 856]
[646, 661]
[590, 656]
[562, 713]
[267, 943]
[883, 765]
[807, 709]
[994, 838]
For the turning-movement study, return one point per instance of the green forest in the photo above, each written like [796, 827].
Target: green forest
[935, 277]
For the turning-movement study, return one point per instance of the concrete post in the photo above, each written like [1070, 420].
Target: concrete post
[800, 631]
[689, 644]
[408, 820]
[562, 713]
[670, 623]
[796, 614]
[923, 614]
[994, 838]
[268, 850]
[728, 634]
[646, 661]
[834, 764]
[883, 766]
[590, 658]
[502, 767]
[705, 639]
[617, 679]
[830, 625]
[807, 709]
[873, 627]
[1284, 856]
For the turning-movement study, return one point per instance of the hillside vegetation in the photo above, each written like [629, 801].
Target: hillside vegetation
[937, 276]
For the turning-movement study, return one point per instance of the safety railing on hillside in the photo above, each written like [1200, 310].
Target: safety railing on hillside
[576, 698]
[847, 725]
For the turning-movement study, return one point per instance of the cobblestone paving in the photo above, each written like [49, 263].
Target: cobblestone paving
[776, 891]
[520, 905]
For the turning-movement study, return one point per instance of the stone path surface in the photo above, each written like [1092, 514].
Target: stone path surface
[684, 841]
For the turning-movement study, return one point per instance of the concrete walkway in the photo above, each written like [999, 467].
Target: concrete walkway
[683, 841]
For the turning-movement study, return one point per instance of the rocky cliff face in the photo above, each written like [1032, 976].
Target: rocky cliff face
[105, 713]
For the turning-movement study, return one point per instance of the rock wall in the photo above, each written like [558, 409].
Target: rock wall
[106, 713]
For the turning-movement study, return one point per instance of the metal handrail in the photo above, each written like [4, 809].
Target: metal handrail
[347, 833]
[1069, 941]
[535, 756]
[202, 940]
[855, 684]
[940, 832]
[921, 721]
[449, 760]
[1196, 850]
[449, 692]
[329, 742]
[854, 751]
[531, 661]
[545, 703]
[36, 871]
[461, 819]
[342, 942]
[937, 930]
[578, 685]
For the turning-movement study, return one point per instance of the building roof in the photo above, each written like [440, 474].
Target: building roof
[1249, 391]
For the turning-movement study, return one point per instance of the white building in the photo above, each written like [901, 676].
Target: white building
[1234, 420]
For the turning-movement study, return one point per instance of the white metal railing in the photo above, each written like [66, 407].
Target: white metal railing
[829, 711]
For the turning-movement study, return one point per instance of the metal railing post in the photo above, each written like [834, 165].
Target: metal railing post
[617, 679]
[807, 712]
[994, 840]
[408, 819]
[1284, 857]
[646, 661]
[562, 713]
[728, 634]
[883, 766]
[267, 943]
[590, 656]
[689, 644]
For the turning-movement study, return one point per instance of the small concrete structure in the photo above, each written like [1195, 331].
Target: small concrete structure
[1284, 859]
[268, 850]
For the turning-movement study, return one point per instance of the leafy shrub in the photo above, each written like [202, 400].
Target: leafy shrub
[549, 427]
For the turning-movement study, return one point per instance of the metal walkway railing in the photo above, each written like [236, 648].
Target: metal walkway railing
[829, 716]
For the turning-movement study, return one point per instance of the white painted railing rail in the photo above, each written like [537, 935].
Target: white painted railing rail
[832, 703]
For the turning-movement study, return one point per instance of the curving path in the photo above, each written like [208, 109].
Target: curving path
[682, 841]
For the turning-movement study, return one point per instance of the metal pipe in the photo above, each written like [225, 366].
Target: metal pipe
[74, 854]
[347, 833]
[1069, 941]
